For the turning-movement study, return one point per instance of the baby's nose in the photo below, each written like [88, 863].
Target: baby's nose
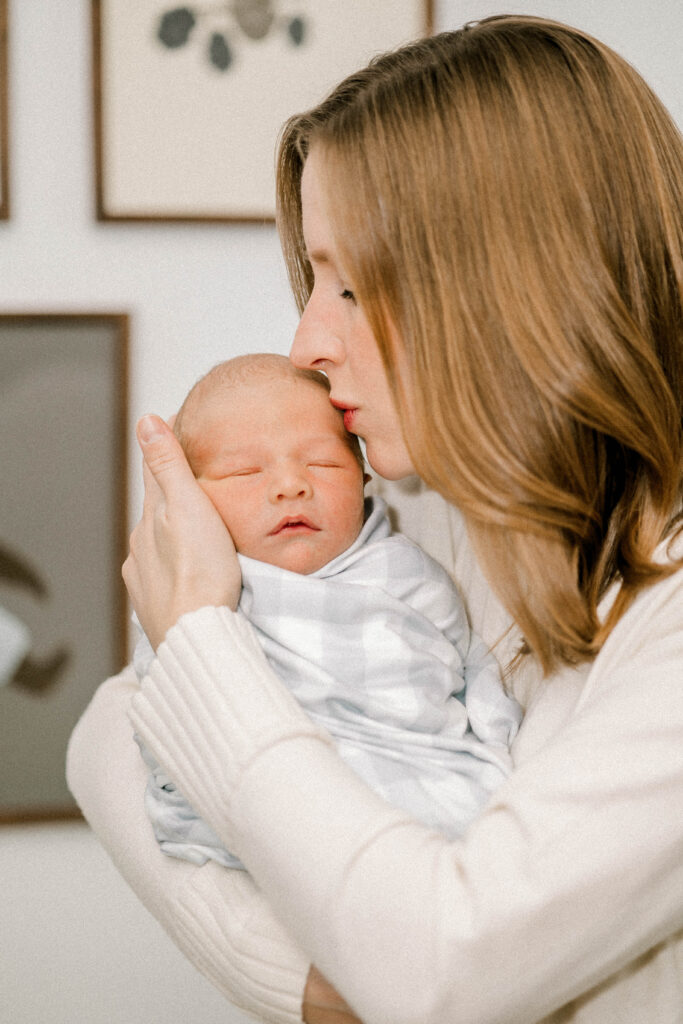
[290, 485]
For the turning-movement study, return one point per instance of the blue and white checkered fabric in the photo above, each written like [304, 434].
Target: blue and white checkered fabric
[377, 648]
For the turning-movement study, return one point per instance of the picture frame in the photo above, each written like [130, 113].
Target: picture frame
[4, 115]
[63, 539]
[189, 99]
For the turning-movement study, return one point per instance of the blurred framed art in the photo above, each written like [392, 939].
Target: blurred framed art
[63, 537]
[189, 99]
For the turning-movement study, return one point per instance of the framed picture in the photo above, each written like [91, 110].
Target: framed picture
[189, 99]
[4, 108]
[63, 537]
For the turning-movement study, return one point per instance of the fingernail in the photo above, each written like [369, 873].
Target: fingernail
[148, 431]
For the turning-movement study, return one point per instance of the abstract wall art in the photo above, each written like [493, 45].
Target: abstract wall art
[63, 535]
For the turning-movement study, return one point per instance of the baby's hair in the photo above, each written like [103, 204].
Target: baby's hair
[245, 370]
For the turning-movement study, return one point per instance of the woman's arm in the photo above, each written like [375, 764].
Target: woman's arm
[216, 916]
[573, 872]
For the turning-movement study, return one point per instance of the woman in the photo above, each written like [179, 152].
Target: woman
[484, 233]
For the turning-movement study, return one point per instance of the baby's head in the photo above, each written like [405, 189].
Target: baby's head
[273, 455]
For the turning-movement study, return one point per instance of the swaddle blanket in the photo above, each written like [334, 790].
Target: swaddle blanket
[377, 648]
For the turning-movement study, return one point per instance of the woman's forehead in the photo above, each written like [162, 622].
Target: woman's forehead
[315, 219]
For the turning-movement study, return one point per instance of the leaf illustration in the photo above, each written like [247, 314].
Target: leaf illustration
[254, 17]
[297, 30]
[175, 27]
[219, 52]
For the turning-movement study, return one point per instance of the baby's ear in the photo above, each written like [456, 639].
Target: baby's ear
[171, 420]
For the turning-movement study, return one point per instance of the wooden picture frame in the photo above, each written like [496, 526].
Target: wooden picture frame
[189, 100]
[4, 114]
[63, 539]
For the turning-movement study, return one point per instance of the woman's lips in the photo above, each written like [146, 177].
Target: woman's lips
[349, 416]
[349, 412]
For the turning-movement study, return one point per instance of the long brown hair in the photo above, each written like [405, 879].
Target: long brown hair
[508, 202]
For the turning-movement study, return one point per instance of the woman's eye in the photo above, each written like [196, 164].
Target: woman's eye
[347, 294]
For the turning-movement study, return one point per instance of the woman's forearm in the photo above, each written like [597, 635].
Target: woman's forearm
[216, 916]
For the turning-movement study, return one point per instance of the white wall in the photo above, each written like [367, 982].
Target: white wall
[648, 34]
[74, 944]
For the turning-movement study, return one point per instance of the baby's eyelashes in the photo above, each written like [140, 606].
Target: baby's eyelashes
[225, 473]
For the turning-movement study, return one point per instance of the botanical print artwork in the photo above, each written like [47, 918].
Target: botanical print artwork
[220, 29]
[190, 98]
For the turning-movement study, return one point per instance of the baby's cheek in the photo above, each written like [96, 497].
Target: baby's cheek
[351, 516]
[222, 501]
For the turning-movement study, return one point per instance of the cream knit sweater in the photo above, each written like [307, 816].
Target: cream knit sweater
[563, 902]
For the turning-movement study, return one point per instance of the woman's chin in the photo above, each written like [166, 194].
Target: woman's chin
[389, 464]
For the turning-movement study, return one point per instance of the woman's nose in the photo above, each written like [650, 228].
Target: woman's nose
[316, 342]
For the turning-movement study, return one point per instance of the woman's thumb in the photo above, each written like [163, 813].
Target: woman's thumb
[150, 429]
[162, 453]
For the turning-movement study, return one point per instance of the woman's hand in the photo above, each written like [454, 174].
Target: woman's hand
[322, 1004]
[181, 555]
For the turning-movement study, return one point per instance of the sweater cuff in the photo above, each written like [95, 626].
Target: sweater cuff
[240, 946]
[210, 705]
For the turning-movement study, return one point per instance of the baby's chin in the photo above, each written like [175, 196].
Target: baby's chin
[299, 557]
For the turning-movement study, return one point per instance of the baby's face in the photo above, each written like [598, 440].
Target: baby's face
[275, 461]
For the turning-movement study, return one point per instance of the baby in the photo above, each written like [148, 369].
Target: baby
[367, 631]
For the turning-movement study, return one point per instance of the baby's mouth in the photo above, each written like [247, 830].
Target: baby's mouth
[294, 524]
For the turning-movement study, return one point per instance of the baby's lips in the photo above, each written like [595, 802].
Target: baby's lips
[292, 522]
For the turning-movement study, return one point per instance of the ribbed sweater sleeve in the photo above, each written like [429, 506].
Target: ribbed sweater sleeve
[211, 741]
[217, 917]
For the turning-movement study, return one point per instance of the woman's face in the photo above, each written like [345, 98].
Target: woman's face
[334, 336]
